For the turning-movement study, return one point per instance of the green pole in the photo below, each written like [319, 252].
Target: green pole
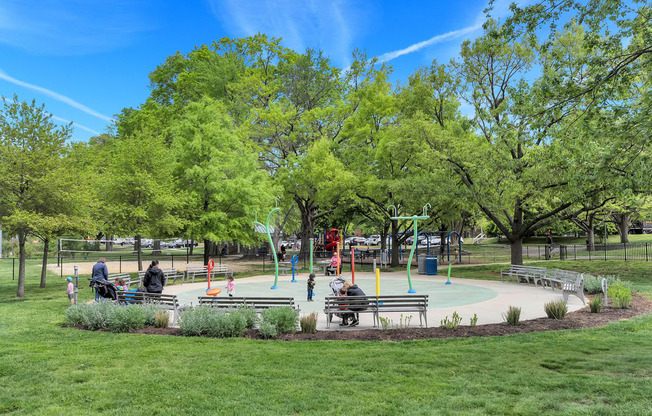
[312, 244]
[414, 243]
[271, 244]
[450, 264]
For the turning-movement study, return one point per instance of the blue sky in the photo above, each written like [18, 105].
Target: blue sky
[86, 60]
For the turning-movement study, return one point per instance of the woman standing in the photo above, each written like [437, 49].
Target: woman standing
[154, 278]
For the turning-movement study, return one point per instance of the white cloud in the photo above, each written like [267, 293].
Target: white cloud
[71, 27]
[301, 24]
[56, 96]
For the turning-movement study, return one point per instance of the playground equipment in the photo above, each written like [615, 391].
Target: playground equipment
[448, 245]
[377, 282]
[448, 282]
[312, 248]
[271, 243]
[353, 264]
[414, 242]
[213, 292]
[294, 261]
[210, 267]
[332, 239]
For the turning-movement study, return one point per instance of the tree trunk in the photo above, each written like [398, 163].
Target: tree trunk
[622, 224]
[307, 227]
[22, 237]
[209, 250]
[396, 248]
[590, 239]
[109, 243]
[44, 267]
[156, 251]
[517, 250]
[192, 247]
[139, 251]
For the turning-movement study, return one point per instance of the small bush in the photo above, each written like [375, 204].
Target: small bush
[474, 320]
[285, 318]
[621, 295]
[556, 309]
[127, 318]
[192, 321]
[268, 329]
[98, 314]
[151, 309]
[453, 323]
[385, 322]
[512, 316]
[75, 314]
[250, 315]
[596, 304]
[206, 321]
[162, 319]
[404, 322]
[593, 284]
[308, 323]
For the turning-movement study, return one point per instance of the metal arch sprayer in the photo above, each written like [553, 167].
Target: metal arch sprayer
[271, 243]
[414, 218]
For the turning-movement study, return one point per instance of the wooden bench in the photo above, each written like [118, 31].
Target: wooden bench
[258, 303]
[525, 273]
[169, 302]
[375, 305]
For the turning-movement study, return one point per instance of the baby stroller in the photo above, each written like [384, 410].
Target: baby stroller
[335, 285]
[105, 288]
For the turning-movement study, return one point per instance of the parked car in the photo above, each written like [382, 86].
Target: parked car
[373, 240]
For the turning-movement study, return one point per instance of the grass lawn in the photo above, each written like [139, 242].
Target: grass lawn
[45, 369]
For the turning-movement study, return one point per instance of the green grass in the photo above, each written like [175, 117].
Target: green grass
[46, 369]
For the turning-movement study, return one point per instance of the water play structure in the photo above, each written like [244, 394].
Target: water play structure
[414, 218]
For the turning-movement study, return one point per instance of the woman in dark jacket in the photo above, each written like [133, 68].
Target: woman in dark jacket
[154, 278]
[354, 290]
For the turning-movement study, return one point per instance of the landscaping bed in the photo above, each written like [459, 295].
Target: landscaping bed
[582, 318]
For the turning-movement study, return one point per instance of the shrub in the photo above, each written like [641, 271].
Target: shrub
[75, 314]
[385, 322]
[206, 321]
[556, 309]
[151, 309]
[162, 319]
[250, 315]
[593, 284]
[127, 318]
[453, 323]
[596, 304]
[285, 318]
[308, 323]
[268, 329]
[192, 321]
[512, 316]
[98, 314]
[620, 294]
[404, 322]
[474, 320]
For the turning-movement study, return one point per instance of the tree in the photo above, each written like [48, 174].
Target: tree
[31, 148]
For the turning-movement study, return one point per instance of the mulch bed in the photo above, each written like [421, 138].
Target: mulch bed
[582, 318]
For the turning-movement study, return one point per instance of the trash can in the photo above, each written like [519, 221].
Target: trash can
[422, 265]
[431, 265]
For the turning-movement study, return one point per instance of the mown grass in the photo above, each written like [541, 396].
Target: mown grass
[46, 369]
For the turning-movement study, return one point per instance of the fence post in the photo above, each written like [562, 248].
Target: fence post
[13, 268]
[625, 246]
[173, 261]
[120, 258]
[645, 251]
[605, 250]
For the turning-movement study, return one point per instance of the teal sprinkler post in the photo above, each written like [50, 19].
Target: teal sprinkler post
[312, 246]
[271, 243]
[414, 242]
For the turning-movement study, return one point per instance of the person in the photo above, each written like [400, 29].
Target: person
[343, 306]
[283, 249]
[354, 290]
[71, 290]
[230, 287]
[120, 284]
[335, 263]
[311, 286]
[100, 272]
[154, 279]
[225, 250]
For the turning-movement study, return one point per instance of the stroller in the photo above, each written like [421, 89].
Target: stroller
[335, 285]
[105, 288]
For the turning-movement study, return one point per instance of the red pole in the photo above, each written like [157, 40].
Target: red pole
[353, 264]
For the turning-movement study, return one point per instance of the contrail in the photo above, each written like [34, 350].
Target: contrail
[436, 39]
[81, 126]
[56, 96]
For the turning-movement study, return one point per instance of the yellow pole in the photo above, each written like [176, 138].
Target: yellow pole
[377, 282]
[338, 259]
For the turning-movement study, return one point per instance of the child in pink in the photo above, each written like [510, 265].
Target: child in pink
[230, 287]
[71, 290]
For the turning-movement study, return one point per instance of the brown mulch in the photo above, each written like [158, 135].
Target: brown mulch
[582, 318]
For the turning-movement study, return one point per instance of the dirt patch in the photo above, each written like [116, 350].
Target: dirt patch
[582, 318]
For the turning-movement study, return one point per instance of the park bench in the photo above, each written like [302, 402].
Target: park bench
[524, 273]
[375, 305]
[126, 277]
[169, 302]
[258, 303]
[570, 283]
[195, 271]
[169, 272]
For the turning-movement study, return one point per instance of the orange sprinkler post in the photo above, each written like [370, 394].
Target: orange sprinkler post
[353, 264]
[338, 259]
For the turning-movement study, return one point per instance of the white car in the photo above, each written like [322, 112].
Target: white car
[373, 240]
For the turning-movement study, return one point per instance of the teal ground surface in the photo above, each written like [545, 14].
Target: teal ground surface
[440, 294]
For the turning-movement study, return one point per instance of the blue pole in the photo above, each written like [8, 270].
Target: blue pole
[295, 259]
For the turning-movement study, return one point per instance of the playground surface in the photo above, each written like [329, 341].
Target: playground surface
[487, 298]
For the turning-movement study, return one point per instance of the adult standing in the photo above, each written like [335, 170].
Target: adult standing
[154, 279]
[100, 272]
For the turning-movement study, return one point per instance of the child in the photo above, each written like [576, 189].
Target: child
[120, 284]
[311, 286]
[230, 287]
[71, 290]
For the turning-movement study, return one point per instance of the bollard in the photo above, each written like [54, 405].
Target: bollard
[76, 283]
[377, 282]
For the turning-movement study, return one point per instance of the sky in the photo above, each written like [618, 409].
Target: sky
[87, 60]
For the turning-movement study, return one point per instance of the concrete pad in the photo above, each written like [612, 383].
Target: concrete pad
[487, 298]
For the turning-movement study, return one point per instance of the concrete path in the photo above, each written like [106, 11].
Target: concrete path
[487, 298]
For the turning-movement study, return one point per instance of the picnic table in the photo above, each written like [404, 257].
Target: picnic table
[324, 264]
